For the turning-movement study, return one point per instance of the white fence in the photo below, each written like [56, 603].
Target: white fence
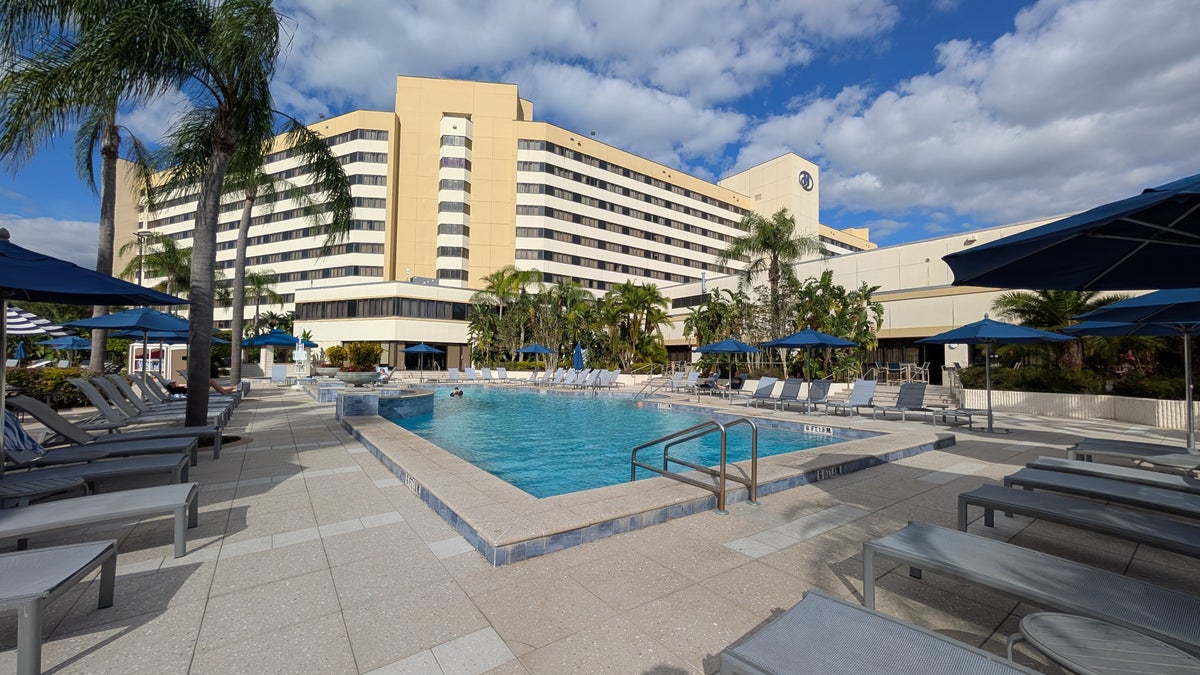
[1147, 411]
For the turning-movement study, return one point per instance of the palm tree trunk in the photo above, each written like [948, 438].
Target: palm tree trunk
[108, 229]
[204, 254]
[238, 305]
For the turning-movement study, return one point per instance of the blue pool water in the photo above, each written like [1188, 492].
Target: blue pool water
[549, 443]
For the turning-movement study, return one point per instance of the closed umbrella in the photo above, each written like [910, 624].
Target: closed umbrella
[1148, 241]
[19, 352]
[577, 357]
[32, 276]
[810, 339]
[1176, 309]
[421, 349]
[990, 332]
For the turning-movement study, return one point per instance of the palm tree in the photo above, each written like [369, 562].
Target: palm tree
[1053, 311]
[772, 247]
[259, 285]
[53, 82]
[159, 256]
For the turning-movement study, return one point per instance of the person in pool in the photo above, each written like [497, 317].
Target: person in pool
[456, 393]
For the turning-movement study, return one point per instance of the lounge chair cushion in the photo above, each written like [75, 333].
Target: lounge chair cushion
[16, 439]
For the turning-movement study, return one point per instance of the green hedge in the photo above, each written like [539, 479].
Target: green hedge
[49, 385]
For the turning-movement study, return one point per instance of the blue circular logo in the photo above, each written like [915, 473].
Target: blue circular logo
[806, 181]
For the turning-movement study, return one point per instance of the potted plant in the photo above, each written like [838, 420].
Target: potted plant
[332, 361]
[358, 368]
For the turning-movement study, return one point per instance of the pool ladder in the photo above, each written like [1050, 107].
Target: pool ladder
[721, 473]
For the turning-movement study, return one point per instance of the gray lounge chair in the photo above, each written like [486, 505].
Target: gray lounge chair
[828, 636]
[911, 399]
[1122, 473]
[790, 393]
[1162, 457]
[25, 452]
[818, 393]
[763, 392]
[119, 391]
[177, 500]
[65, 431]
[1107, 489]
[34, 579]
[1136, 526]
[174, 467]
[121, 411]
[861, 396]
[1039, 579]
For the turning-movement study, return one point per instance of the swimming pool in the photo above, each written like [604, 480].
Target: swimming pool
[550, 443]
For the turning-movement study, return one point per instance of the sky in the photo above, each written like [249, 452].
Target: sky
[925, 117]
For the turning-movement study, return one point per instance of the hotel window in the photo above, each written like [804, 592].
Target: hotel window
[460, 275]
[454, 207]
[459, 141]
[454, 228]
[456, 163]
[452, 184]
[453, 252]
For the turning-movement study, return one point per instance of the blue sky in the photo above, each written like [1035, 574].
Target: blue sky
[925, 116]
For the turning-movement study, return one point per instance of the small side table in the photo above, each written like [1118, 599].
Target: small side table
[1085, 645]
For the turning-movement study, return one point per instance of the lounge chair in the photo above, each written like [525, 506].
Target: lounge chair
[452, 375]
[689, 382]
[861, 396]
[472, 375]
[1136, 526]
[710, 384]
[1168, 457]
[818, 393]
[119, 409]
[34, 579]
[63, 431]
[486, 374]
[589, 378]
[1115, 491]
[218, 404]
[24, 452]
[609, 379]
[763, 392]
[789, 394]
[1040, 579]
[911, 399]
[156, 393]
[1122, 473]
[178, 500]
[173, 466]
[829, 636]
[502, 376]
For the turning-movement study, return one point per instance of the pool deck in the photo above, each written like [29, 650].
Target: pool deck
[312, 556]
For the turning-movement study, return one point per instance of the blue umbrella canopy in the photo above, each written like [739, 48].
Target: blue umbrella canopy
[809, 339]
[577, 357]
[728, 346]
[164, 336]
[141, 318]
[988, 332]
[19, 352]
[1121, 329]
[1147, 241]
[535, 348]
[276, 338]
[70, 343]
[422, 348]
[1175, 309]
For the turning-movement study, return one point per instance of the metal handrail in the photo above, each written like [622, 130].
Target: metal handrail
[692, 433]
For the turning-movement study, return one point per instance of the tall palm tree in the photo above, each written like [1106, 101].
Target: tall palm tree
[1053, 310]
[504, 285]
[259, 285]
[52, 82]
[772, 247]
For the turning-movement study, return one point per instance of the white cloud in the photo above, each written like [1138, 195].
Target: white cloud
[1081, 103]
[150, 121]
[72, 240]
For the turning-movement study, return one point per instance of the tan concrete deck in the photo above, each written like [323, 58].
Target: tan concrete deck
[312, 557]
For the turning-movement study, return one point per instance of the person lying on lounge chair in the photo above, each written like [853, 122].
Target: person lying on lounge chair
[712, 382]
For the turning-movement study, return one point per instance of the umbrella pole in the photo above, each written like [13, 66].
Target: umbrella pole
[987, 373]
[1187, 377]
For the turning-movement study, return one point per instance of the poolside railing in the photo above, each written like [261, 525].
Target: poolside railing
[721, 473]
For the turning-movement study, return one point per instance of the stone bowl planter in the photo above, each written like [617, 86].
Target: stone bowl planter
[357, 379]
[330, 371]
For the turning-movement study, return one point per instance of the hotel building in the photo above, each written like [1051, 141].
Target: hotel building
[460, 180]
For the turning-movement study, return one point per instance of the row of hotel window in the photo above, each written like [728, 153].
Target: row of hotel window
[636, 195]
[307, 253]
[547, 277]
[285, 235]
[588, 221]
[604, 265]
[383, 307]
[273, 217]
[524, 144]
[613, 247]
[238, 204]
[612, 207]
[354, 135]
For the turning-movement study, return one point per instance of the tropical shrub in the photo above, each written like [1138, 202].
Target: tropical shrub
[361, 357]
[336, 355]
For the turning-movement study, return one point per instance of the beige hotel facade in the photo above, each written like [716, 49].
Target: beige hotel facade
[460, 180]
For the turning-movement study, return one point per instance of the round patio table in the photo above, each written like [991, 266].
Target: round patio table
[1085, 645]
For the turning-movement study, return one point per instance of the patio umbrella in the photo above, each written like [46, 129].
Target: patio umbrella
[1176, 309]
[166, 337]
[422, 349]
[989, 332]
[19, 352]
[21, 322]
[808, 339]
[141, 319]
[536, 348]
[69, 343]
[728, 346]
[577, 357]
[28, 275]
[1148, 241]
[276, 338]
